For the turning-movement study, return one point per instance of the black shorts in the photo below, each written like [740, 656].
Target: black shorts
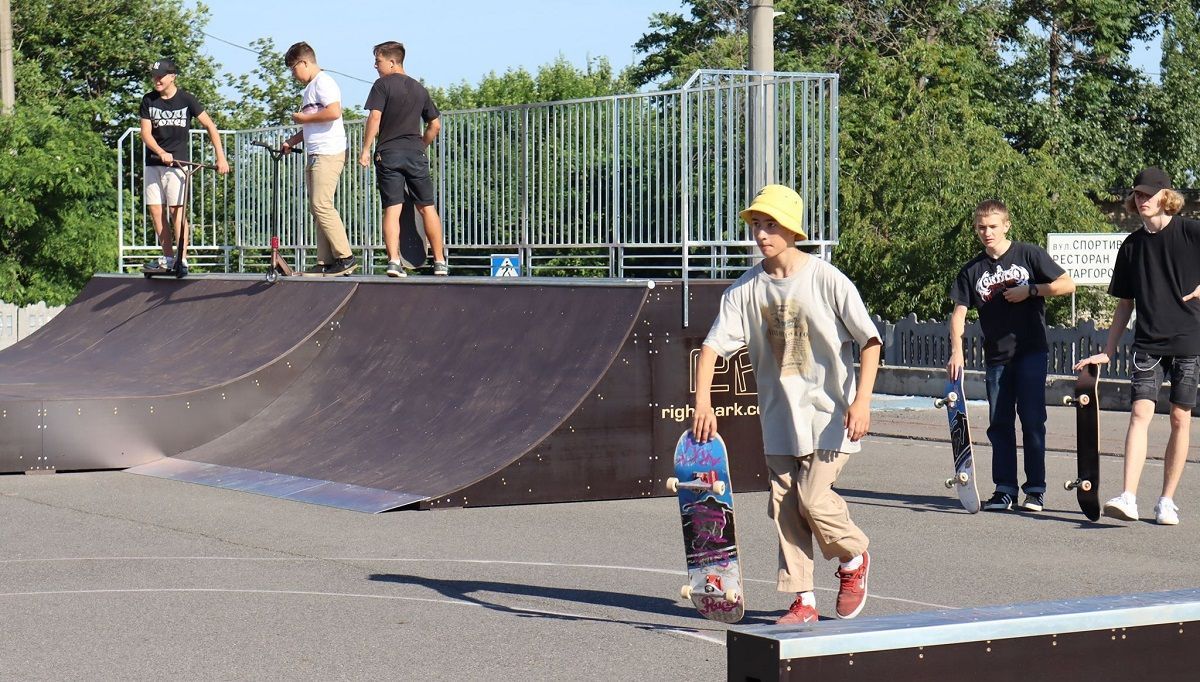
[1149, 371]
[398, 169]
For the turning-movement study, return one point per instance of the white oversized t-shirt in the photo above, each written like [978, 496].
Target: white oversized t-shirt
[799, 331]
[328, 137]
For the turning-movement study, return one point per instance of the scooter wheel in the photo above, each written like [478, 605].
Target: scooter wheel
[272, 275]
[181, 272]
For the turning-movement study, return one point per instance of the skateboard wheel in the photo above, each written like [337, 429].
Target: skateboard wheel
[963, 478]
[952, 397]
[719, 487]
[949, 482]
[686, 592]
[939, 403]
[732, 596]
[673, 486]
[1068, 400]
[1085, 486]
[1070, 485]
[1084, 400]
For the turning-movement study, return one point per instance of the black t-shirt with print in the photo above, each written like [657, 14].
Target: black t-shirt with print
[1009, 329]
[170, 122]
[402, 103]
[1157, 270]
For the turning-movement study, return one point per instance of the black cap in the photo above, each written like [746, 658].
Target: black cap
[1151, 180]
[163, 67]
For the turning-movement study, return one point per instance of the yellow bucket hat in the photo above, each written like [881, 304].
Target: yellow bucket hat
[781, 203]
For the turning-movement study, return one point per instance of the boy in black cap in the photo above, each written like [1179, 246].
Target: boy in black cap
[166, 114]
[1157, 273]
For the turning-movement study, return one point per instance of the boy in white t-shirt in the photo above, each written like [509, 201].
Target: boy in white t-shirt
[324, 138]
[798, 316]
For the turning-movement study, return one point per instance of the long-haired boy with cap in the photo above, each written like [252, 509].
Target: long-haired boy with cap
[798, 316]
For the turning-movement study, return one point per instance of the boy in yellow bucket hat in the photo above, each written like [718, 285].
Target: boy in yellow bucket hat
[797, 315]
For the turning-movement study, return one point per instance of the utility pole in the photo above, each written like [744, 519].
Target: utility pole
[762, 108]
[7, 89]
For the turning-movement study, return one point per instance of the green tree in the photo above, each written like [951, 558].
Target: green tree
[1174, 137]
[556, 81]
[267, 96]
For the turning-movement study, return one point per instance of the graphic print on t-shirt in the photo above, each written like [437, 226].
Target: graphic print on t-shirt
[177, 118]
[788, 332]
[991, 283]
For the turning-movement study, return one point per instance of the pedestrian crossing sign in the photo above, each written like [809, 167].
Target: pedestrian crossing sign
[506, 265]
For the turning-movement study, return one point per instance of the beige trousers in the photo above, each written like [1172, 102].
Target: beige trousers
[322, 174]
[804, 506]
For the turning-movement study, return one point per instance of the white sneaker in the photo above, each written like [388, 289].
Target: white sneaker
[1123, 506]
[1166, 513]
[396, 269]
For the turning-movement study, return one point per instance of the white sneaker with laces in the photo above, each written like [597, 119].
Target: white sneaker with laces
[1165, 512]
[1123, 506]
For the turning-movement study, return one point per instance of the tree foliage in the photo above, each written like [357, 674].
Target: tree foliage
[559, 80]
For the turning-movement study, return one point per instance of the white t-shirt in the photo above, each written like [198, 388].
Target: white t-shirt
[328, 137]
[799, 331]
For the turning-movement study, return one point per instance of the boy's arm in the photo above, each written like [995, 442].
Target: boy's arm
[215, 137]
[958, 325]
[370, 131]
[330, 112]
[858, 417]
[704, 421]
[292, 141]
[431, 131]
[1115, 332]
[152, 144]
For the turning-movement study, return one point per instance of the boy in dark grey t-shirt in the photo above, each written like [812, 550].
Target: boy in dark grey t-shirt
[398, 104]
[1157, 272]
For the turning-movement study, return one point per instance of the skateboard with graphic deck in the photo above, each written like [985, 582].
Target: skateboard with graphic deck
[1087, 442]
[701, 482]
[954, 400]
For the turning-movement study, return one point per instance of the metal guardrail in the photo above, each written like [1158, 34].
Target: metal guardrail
[643, 185]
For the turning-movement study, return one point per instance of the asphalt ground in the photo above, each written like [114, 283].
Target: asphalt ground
[107, 575]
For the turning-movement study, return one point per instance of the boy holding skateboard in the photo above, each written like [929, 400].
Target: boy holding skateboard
[324, 136]
[1007, 283]
[798, 315]
[398, 104]
[166, 115]
[1157, 273]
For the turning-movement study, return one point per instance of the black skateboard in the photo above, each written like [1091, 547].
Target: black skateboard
[1087, 438]
[413, 245]
[178, 269]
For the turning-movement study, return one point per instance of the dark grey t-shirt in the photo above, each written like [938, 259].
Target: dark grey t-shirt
[1157, 271]
[402, 103]
[170, 121]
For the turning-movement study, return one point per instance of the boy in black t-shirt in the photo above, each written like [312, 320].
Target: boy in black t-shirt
[398, 104]
[166, 114]
[1006, 282]
[1157, 273]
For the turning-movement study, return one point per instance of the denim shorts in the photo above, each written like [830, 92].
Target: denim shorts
[1150, 370]
[401, 171]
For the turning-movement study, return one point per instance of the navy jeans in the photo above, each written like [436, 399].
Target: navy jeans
[1018, 389]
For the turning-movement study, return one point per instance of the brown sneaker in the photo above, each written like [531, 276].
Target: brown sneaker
[853, 593]
[798, 613]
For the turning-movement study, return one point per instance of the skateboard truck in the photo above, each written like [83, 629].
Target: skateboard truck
[961, 479]
[704, 481]
[713, 586]
[950, 399]
[1083, 484]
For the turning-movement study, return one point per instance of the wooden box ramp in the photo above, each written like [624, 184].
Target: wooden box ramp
[388, 394]
[1098, 638]
[135, 369]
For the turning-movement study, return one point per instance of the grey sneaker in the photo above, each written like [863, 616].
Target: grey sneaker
[1123, 506]
[396, 269]
[1034, 502]
[441, 268]
[342, 267]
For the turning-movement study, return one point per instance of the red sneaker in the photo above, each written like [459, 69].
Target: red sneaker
[798, 613]
[853, 593]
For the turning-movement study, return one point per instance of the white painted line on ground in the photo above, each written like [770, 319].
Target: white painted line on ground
[496, 562]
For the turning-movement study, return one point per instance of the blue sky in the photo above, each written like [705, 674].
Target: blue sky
[447, 42]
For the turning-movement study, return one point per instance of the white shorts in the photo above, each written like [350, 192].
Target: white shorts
[163, 181]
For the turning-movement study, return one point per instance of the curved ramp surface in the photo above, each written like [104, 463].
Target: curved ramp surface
[135, 369]
[422, 390]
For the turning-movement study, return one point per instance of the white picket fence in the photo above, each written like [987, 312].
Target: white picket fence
[17, 322]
